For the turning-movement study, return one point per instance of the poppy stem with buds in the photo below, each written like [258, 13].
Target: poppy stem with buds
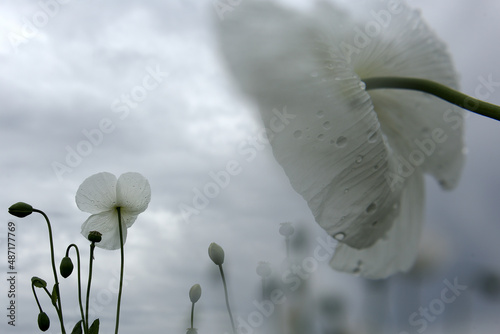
[56, 285]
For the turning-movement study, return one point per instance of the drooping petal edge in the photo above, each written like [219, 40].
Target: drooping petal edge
[398, 250]
[107, 224]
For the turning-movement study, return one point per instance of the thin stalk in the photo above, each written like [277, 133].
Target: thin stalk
[85, 329]
[192, 315]
[444, 92]
[89, 283]
[287, 245]
[36, 297]
[122, 256]
[227, 299]
[56, 286]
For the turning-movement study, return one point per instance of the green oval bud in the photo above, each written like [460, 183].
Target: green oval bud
[43, 321]
[195, 293]
[95, 236]
[21, 209]
[216, 253]
[38, 282]
[66, 267]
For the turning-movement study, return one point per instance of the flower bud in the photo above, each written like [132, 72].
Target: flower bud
[195, 293]
[43, 321]
[216, 253]
[286, 229]
[264, 269]
[38, 282]
[21, 209]
[66, 267]
[95, 236]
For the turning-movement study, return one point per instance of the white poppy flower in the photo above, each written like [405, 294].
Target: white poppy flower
[357, 157]
[101, 194]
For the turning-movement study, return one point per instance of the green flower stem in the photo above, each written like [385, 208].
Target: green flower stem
[122, 256]
[436, 89]
[287, 245]
[263, 288]
[227, 299]
[56, 286]
[36, 298]
[91, 262]
[192, 315]
[49, 295]
[85, 329]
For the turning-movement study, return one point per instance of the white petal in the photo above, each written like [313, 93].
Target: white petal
[107, 224]
[395, 252]
[425, 130]
[133, 193]
[330, 145]
[97, 193]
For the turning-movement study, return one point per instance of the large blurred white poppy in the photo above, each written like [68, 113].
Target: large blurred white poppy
[101, 194]
[357, 157]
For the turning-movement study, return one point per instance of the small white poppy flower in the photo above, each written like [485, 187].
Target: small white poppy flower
[101, 194]
[357, 157]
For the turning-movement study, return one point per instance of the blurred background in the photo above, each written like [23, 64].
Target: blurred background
[118, 86]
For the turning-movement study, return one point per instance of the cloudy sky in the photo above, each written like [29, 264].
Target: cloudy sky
[118, 86]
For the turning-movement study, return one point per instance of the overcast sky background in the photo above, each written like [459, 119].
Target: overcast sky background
[69, 76]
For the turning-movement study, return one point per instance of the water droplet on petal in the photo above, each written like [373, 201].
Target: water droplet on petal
[321, 136]
[327, 125]
[339, 236]
[362, 85]
[371, 208]
[297, 134]
[359, 159]
[346, 190]
[341, 141]
[314, 74]
[373, 138]
[320, 113]
[375, 223]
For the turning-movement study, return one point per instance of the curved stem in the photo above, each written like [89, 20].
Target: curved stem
[79, 285]
[227, 299]
[91, 261]
[36, 298]
[122, 256]
[85, 329]
[446, 93]
[56, 286]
